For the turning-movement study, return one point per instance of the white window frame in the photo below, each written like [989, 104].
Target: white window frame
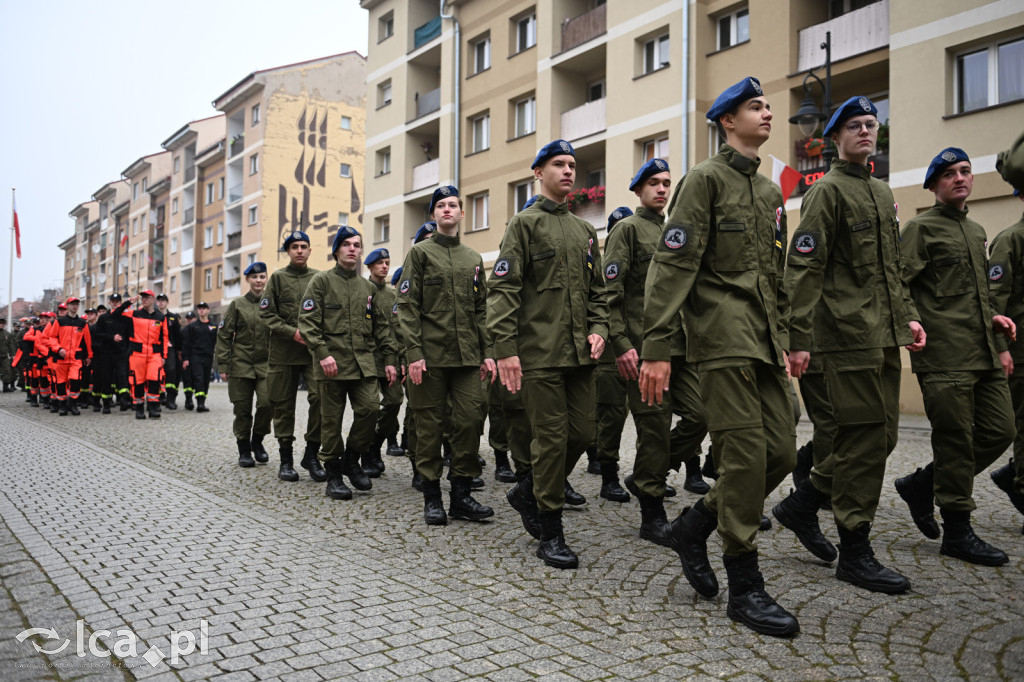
[220, 188]
[255, 115]
[254, 164]
[346, 170]
[476, 220]
[174, 245]
[521, 188]
[382, 228]
[733, 19]
[384, 94]
[135, 226]
[480, 132]
[346, 123]
[174, 283]
[209, 193]
[655, 54]
[208, 279]
[652, 149]
[177, 164]
[342, 218]
[383, 160]
[481, 55]
[526, 32]
[991, 51]
[174, 206]
[250, 259]
[253, 215]
[528, 126]
[208, 237]
[220, 276]
[220, 232]
[135, 191]
[386, 26]
[145, 184]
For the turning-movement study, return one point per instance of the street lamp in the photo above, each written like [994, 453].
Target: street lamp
[809, 116]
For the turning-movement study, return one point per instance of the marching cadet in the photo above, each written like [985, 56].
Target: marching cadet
[289, 358]
[342, 322]
[28, 358]
[173, 363]
[720, 259]
[846, 255]
[442, 311]
[71, 342]
[962, 372]
[186, 377]
[379, 262]
[148, 346]
[242, 359]
[547, 312]
[7, 350]
[87, 369]
[198, 352]
[110, 345]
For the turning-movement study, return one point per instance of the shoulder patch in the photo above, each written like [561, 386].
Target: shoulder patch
[996, 272]
[264, 303]
[394, 309]
[308, 305]
[502, 267]
[611, 271]
[221, 325]
[674, 237]
[805, 243]
[404, 287]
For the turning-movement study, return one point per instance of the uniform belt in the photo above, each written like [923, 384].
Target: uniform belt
[137, 347]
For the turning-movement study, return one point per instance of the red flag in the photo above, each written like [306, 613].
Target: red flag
[17, 229]
[785, 177]
[124, 239]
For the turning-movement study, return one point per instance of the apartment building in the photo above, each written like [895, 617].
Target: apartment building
[141, 246]
[78, 254]
[111, 197]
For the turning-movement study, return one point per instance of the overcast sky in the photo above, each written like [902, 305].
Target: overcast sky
[86, 88]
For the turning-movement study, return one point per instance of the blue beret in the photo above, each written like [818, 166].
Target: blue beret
[344, 232]
[652, 167]
[426, 229]
[395, 277]
[946, 158]
[556, 148]
[442, 192]
[255, 268]
[530, 202]
[296, 236]
[376, 255]
[735, 95]
[855, 106]
[617, 215]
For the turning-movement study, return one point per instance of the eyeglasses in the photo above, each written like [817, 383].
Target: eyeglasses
[855, 126]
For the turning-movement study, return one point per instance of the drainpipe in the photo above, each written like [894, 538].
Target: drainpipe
[686, 90]
[457, 107]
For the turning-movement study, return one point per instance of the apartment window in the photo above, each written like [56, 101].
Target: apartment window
[522, 193]
[220, 275]
[220, 188]
[250, 259]
[220, 233]
[174, 205]
[208, 277]
[255, 114]
[174, 245]
[526, 32]
[252, 215]
[382, 229]
[208, 237]
[174, 283]
[177, 164]
[145, 184]
[386, 26]
[595, 178]
[596, 91]
[481, 51]
[480, 128]
[346, 170]
[526, 116]
[715, 141]
[209, 193]
[656, 149]
[133, 262]
[346, 123]
[990, 75]
[733, 28]
[384, 94]
[342, 218]
[135, 191]
[655, 54]
[135, 226]
[384, 161]
[254, 164]
[478, 209]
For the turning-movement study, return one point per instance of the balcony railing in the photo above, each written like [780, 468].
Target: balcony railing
[235, 194]
[190, 216]
[579, 30]
[237, 145]
[425, 174]
[585, 120]
[186, 298]
[853, 33]
[428, 102]
[190, 173]
[427, 32]
[232, 289]
[186, 257]
[234, 241]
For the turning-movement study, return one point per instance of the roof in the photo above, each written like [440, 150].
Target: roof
[237, 89]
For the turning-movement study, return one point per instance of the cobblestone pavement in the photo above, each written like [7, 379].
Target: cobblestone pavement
[152, 530]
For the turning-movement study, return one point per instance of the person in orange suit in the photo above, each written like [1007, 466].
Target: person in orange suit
[148, 350]
[71, 342]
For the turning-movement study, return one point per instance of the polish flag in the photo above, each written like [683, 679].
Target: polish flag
[17, 229]
[124, 239]
[785, 177]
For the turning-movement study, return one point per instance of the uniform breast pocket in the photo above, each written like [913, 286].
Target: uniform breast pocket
[436, 295]
[952, 276]
[335, 318]
[863, 243]
[734, 250]
[546, 270]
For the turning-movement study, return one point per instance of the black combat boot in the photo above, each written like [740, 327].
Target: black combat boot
[201, 404]
[154, 409]
[709, 470]
[336, 488]
[62, 410]
[670, 491]
[369, 464]
[688, 536]
[858, 565]
[960, 542]
[172, 399]
[311, 463]
[259, 452]
[189, 405]
[572, 497]
[502, 468]
[73, 407]
[694, 482]
[749, 604]
[799, 513]
[394, 449]
[593, 465]
[140, 411]
[804, 462]
[1003, 478]
[55, 405]
[653, 520]
[286, 472]
[356, 476]
[245, 459]
[433, 506]
[107, 403]
[33, 399]
[96, 406]
[918, 491]
[520, 496]
[610, 488]
[417, 478]
[124, 401]
[463, 506]
[552, 548]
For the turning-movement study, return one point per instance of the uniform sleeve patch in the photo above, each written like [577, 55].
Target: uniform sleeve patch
[308, 305]
[221, 325]
[675, 237]
[264, 303]
[611, 271]
[394, 309]
[404, 287]
[996, 272]
[502, 267]
[805, 243]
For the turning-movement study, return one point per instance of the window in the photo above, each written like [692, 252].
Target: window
[252, 215]
[342, 218]
[481, 52]
[480, 129]
[990, 75]
[386, 26]
[220, 188]
[346, 123]
[526, 32]
[145, 184]
[135, 226]
[133, 262]
[174, 283]
[208, 236]
[522, 193]
[655, 149]
[255, 114]
[220, 233]
[135, 191]
[254, 164]
[177, 164]
[250, 259]
[209, 193]
[174, 205]
[596, 91]
[733, 28]
[384, 94]
[174, 245]
[595, 178]
[208, 277]
[220, 275]
[478, 210]
[715, 142]
[384, 161]
[655, 55]
[526, 116]
[382, 229]
[346, 170]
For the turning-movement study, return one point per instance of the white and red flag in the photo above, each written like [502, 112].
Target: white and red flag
[17, 229]
[786, 177]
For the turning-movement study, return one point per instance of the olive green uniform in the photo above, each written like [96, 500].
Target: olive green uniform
[610, 392]
[342, 317]
[391, 394]
[1007, 291]
[241, 353]
[846, 254]
[629, 251]
[965, 392]
[442, 310]
[546, 296]
[720, 259]
[814, 392]
[7, 351]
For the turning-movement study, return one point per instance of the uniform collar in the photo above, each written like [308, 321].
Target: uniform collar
[251, 297]
[850, 168]
[552, 206]
[380, 285]
[743, 164]
[649, 214]
[446, 241]
[951, 211]
[295, 270]
[345, 274]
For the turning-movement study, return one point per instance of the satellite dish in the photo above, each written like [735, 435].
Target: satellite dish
[95, 248]
[124, 262]
[103, 278]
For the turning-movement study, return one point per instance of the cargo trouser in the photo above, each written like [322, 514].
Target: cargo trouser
[972, 425]
[362, 394]
[240, 392]
[430, 402]
[819, 410]
[610, 390]
[1017, 395]
[497, 437]
[200, 366]
[390, 405]
[282, 389]
[750, 417]
[517, 430]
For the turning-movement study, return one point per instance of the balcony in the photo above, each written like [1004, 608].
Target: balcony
[235, 194]
[585, 120]
[579, 30]
[234, 241]
[853, 33]
[190, 216]
[190, 174]
[158, 232]
[237, 145]
[232, 288]
[428, 102]
[186, 257]
[186, 298]
[425, 175]
[427, 32]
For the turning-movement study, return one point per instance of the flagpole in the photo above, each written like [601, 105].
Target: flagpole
[10, 272]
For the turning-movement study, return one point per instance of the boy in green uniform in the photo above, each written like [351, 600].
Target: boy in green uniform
[379, 262]
[720, 259]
